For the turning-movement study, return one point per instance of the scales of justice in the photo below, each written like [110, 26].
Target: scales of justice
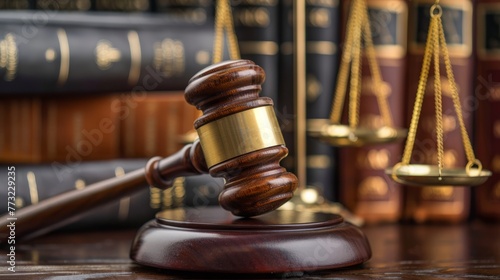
[239, 140]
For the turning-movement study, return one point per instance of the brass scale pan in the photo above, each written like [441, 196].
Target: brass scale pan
[411, 174]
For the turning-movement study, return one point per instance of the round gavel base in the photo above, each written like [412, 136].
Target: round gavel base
[213, 240]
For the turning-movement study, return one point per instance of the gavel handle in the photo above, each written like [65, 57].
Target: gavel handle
[54, 212]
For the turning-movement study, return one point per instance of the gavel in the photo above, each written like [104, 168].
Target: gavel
[239, 140]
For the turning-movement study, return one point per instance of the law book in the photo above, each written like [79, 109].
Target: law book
[322, 44]
[158, 124]
[486, 102]
[17, 4]
[364, 187]
[119, 6]
[62, 129]
[72, 129]
[37, 182]
[257, 27]
[49, 52]
[322, 60]
[194, 10]
[65, 5]
[200, 11]
[285, 103]
[445, 203]
[78, 5]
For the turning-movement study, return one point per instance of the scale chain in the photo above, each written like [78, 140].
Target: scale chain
[435, 42]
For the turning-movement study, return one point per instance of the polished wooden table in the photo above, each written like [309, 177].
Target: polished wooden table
[400, 251]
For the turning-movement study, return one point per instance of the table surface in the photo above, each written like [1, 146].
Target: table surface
[465, 251]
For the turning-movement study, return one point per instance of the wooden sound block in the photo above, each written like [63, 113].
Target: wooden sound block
[213, 240]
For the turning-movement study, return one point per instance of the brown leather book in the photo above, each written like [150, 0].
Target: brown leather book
[69, 130]
[365, 189]
[38, 182]
[443, 204]
[19, 133]
[156, 124]
[487, 100]
[66, 130]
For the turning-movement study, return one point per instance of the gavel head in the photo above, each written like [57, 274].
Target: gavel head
[240, 137]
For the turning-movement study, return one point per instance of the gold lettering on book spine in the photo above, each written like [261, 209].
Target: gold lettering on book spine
[106, 54]
[252, 17]
[319, 17]
[314, 88]
[373, 187]
[179, 191]
[79, 184]
[438, 193]
[318, 162]
[154, 198]
[258, 17]
[374, 159]
[19, 202]
[8, 56]
[169, 58]
[50, 55]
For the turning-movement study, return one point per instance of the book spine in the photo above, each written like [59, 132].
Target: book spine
[447, 204]
[76, 128]
[64, 53]
[322, 40]
[119, 6]
[199, 11]
[62, 129]
[322, 59]
[285, 108]
[20, 129]
[35, 183]
[256, 25]
[365, 189]
[17, 4]
[487, 100]
[63, 5]
[154, 125]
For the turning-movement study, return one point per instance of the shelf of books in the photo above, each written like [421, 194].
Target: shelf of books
[92, 89]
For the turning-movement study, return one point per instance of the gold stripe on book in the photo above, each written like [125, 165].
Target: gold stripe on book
[32, 187]
[321, 47]
[64, 47]
[259, 47]
[135, 57]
